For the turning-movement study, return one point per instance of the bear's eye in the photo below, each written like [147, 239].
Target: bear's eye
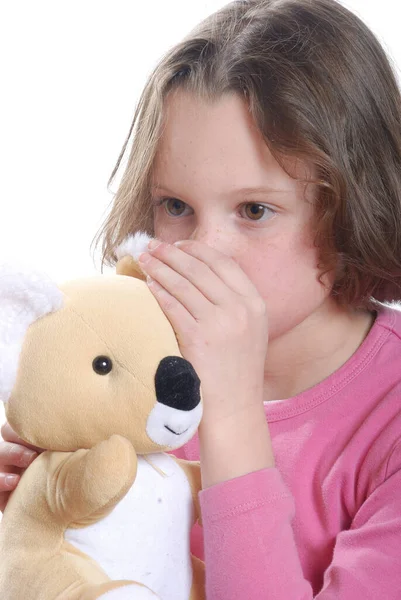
[102, 365]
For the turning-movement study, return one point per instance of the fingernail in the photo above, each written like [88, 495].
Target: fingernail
[28, 456]
[153, 284]
[11, 480]
[153, 244]
[144, 258]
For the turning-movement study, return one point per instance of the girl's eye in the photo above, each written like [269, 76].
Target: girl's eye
[175, 207]
[256, 212]
[251, 210]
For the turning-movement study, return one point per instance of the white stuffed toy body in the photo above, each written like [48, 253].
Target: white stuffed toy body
[92, 373]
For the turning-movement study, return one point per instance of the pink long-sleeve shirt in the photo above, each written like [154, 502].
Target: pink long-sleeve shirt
[324, 523]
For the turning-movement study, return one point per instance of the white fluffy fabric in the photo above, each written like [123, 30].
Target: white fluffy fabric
[129, 592]
[184, 423]
[25, 296]
[146, 537]
[133, 245]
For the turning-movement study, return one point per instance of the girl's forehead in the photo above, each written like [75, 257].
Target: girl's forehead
[186, 113]
[200, 135]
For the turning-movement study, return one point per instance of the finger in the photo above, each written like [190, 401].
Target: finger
[191, 269]
[15, 455]
[180, 319]
[222, 265]
[8, 434]
[177, 286]
[8, 482]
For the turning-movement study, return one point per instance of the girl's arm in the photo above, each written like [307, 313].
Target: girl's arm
[234, 447]
[250, 550]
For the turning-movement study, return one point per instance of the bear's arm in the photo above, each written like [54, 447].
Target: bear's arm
[87, 484]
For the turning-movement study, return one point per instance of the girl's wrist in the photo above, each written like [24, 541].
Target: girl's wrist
[226, 407]
[235, 445]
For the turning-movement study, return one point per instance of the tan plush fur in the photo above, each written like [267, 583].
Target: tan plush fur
[94, 427]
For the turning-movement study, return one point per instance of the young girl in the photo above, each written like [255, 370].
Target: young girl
[266, 160]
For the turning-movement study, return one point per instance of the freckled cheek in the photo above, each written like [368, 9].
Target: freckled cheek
[276, 270]
[170, 232]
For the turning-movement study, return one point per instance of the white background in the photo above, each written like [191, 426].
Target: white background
[71, 74]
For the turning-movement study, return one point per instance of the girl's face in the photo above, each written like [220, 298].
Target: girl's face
[216, 181]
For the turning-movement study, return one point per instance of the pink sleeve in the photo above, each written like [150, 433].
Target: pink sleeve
[179, 453]
[250, 551]
[249, 545]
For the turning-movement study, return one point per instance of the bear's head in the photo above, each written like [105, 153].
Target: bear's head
[92, 358]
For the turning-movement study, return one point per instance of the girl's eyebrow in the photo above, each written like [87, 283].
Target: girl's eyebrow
[254, 190]
[232, 192]
[162, 188]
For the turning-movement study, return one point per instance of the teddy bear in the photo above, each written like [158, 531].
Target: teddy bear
[91, 372]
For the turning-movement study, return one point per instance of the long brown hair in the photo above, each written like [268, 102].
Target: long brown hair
[319, 87]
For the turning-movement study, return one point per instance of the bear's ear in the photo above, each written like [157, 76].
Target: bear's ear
[129, 266]
[25, 296]
[128, 253]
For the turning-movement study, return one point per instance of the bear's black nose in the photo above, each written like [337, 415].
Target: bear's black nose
[177, 384]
